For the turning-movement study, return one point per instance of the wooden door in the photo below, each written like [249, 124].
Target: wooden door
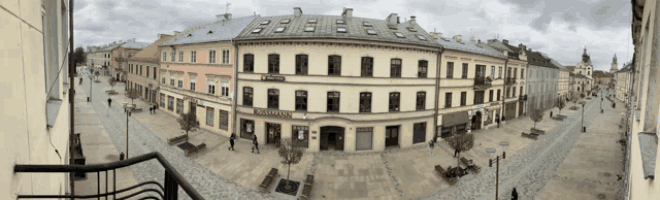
[339, 141]
[392, 136]
[419, 132]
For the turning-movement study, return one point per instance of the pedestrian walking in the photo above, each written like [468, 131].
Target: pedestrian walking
[456, 152]
[80, 81]
[231, 141]
[155, 108]
[431, 145]
[255, 144]
[514, 194]
[109, 102]
[151, 110]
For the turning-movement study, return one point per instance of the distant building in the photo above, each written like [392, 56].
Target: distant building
[143, 70]
[623, 82]
[603, 78]
[585, 68]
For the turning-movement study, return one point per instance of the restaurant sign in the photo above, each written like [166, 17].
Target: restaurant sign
[268, 77]
[192, 100]
[274, 113]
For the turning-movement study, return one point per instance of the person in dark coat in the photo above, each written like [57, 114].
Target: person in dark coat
[514, 194]
[231, 141]
[109, 102]
[456, 152]
[155, 108]
[255, 144]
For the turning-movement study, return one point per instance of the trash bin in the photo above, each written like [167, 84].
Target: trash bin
[121, 156]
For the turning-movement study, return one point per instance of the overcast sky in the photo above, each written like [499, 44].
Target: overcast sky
[559, 28]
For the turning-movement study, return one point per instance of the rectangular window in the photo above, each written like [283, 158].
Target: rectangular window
[364, 138]
[421, 100]
[192, 85]
[334, 65]
[514, 92]
[180, 83]
[521, 90]
[333, 102]
[478, 97]
[248, 63]
[224, 89]
[225, 57]
[515, 72]
[172, 55]
[422, 69]
[301, 100]
[508, 92]
[522, 73]
[274, 63]
[498, 95]
[367, 66]
[500, 73]
[164, 56]
[162, 100]
[395, 101]
[147, 69]
[300, 135]
[212, 54]
[301, 64]
[448, 100]
[180, 56]
[210, 88]
[193, 56]
[273, 98]
[247, 96]
[155, 70]
[463, 98]
[170, 103]
[365, 102]
[140, 70]
[395, 68]
[450, 69]
[465, 70]
[172, 82]
[209, 116]
[224, 120]
[179, 106]
[162, 80]
[492, 72]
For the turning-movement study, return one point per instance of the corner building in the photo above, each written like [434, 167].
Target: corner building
[336, 82]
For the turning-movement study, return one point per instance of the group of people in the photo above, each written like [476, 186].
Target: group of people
[255, 143]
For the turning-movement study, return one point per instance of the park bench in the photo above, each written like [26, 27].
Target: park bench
[446, 175]
[176, 139]
[473, 167]
[536, 131]
[530, 135]
[307, 189]
[195, 149]
[268, 180]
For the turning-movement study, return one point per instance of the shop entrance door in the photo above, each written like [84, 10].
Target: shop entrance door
[274, 132]
[391, 136]
[193, 108]
[332, 137]
[476, 121]
[520, 109]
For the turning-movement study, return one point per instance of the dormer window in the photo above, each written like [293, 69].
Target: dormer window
[399, 35]
[340, 22]
[309, 29]
[421, 37]
[265, 22]
[411, 29]
[341, 30]
[256, 30]
[367, 24]
[189, 35]
[371, 32]
[311, 21]
[279, 30]
[393, 27]
[286, 21]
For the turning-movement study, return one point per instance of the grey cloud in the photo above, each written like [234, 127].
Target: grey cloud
[541, 23]
[606, 13]
[79, 5]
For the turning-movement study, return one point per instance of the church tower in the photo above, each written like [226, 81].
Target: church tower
[614, 65]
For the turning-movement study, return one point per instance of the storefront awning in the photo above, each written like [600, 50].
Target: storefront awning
[453, 119]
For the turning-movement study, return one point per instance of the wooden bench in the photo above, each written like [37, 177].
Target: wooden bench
[176, 139]
[530, 135]
[307, 189]
[195, 149]
[536, 131]
[268, 180]
[443, 173]
[473, 167]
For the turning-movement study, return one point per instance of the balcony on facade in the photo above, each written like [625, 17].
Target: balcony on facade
[522, 98]
[510, 81]
[482, 83]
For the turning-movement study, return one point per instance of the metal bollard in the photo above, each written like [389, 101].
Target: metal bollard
[121, 156]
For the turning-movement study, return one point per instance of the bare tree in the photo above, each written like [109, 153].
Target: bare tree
[132, 94]
[188, 123]
[461, 142]
[112, 81]
[291, 154]
[536, 116]
[561, 105]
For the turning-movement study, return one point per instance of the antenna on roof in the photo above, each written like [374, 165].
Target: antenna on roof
[227, 8]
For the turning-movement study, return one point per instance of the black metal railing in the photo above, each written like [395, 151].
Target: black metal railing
[482, 83]
[169, 192]
[510, 81]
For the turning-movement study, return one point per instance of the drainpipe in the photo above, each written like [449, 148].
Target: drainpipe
[71, 97]
[503, 93]
[437, 94]
[234, 106]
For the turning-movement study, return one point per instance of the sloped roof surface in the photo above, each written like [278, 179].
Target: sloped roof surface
[151, 51]
[110, 47]
[216, 31]
[326, 26]
[626, 68]
[571, 68]
[535, 58]
[467, 46]
[558, 65]
[134, 45]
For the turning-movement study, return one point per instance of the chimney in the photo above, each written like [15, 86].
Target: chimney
[473, 41]
[348, 12]
[297, 11]
[397, 20]
[392, 19]
[506, 53]
[521, 46]
[438, 34]
[176, 32]
[505, 41]
[228, 16]
[458, 37]
[412, 19]
[479, 41]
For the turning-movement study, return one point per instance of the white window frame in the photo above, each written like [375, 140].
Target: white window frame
[193, 56]
[212, 55]
[225, 56]
[163, 79]
[208, 88]
[180, 83]
[192, 85]
[164, 56]
[224, 89]
[173, 54]
[180, 56]
[172, 81]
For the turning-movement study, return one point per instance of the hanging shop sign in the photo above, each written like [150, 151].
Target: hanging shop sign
[268, 77]
[274, 113]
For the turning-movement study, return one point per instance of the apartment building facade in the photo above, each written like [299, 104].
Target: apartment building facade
[623, 82]
[471, 86]
[585, 68]
[35, 38]
[563, 82]
[373, 87]
[143, 70]
[541, 81]
[197, 72]
[515, 82]
[119, 58]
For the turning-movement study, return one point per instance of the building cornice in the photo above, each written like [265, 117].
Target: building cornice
[344, 43]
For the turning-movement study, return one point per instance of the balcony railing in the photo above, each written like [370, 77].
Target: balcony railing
[170, 190]
[522, 98]
[510, 81]
[482, 83]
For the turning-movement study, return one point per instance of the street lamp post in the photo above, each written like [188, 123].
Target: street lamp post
[491, 152]
[128, 114]
[583, 128]
[90, 88]
[601, 103]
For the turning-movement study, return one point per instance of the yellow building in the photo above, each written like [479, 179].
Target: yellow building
[336, 82]
[143, 70]
[563, 85]
[35, 95]
[514, 91]
[623, 82]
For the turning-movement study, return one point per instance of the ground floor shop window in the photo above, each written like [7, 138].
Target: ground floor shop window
[247, 128]
[446, 132]
[162, 100]
[300, 135]
[209, 116]
[364, 138]
[170, 103]
[179, 106]
[224, 120]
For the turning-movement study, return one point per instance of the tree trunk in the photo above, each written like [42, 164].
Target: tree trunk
[187, 136]
[288, 182]
[534, 124]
